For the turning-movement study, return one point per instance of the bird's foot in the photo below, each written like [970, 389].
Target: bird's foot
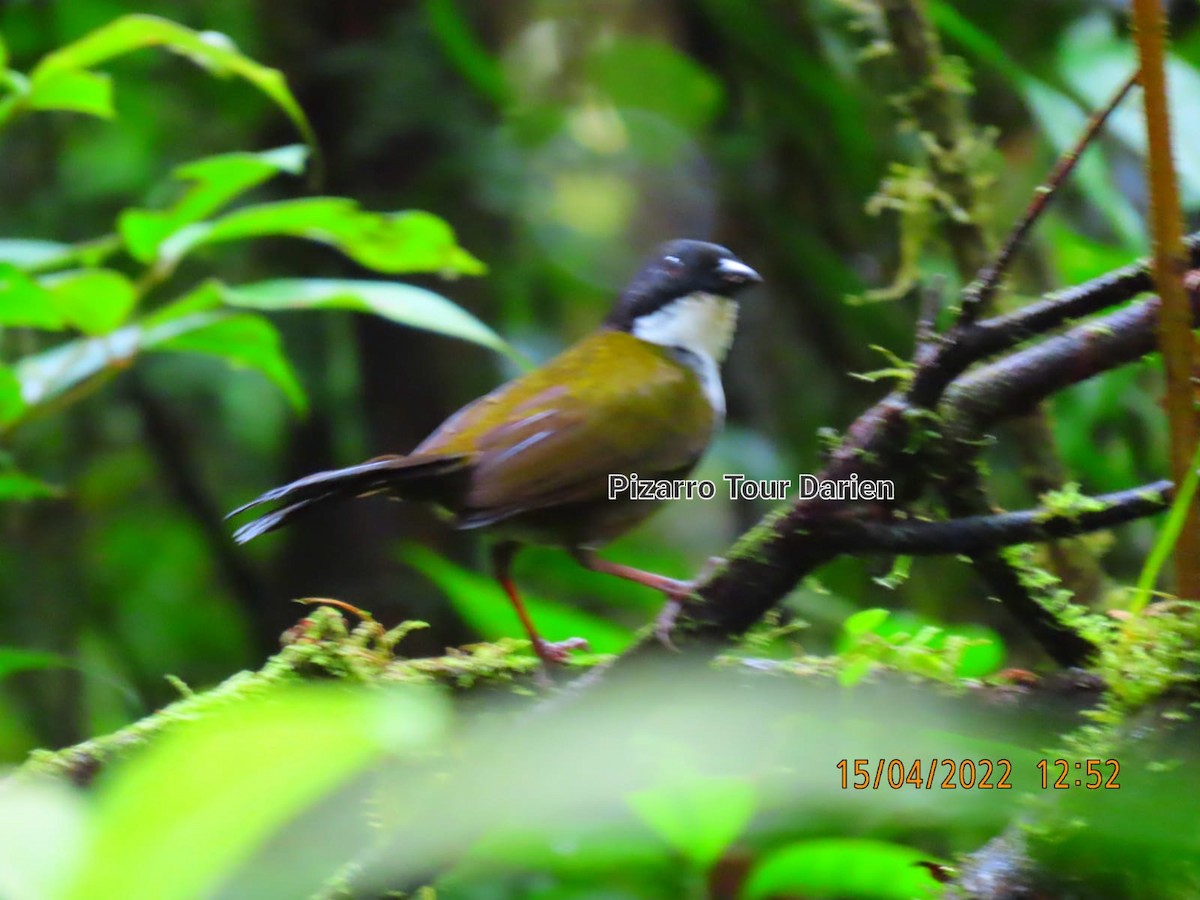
[555, 653]
[664, 624]
[678, 597]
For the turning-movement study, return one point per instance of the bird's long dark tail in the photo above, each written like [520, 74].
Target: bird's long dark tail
[416, 478]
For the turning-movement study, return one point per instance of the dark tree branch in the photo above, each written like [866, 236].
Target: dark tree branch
[1016, 383]
[964, 495]
[973, 534]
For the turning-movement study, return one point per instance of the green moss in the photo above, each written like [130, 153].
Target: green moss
[1068, 501]
[320, 646]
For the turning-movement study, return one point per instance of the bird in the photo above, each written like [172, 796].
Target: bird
[530, 461]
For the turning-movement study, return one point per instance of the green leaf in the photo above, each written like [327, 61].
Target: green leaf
[698, 816]
[93, 300]
[864, 621]
[1168, 535]
[26, 253]
[244, 340]
[75, 90]
[16, 659]
[204, 297]
[227, 782]
[215, 181]
[482, 604]
[18, 486]
[843, 867]
[11, 404]
[24, 303]
[401, 303]
[252, 342]
[393, 243]
[45, 375]
[211, 50]
[854, 670]
[469, 55]
[3, 53]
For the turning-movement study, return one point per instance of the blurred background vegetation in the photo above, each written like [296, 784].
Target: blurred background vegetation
[561, 141]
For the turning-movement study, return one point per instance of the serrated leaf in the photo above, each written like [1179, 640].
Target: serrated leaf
[482, 604]
[93, 300]
[228, 781]
[26, 253]
[404, 304]
[211, 50]
[244, 340]
[393, 243]
[17, 659]
[214, 182]
[74, 90]
[843, 867]
[698, 816]
[24, 303]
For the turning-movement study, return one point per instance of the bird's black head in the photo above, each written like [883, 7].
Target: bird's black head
[679, 269]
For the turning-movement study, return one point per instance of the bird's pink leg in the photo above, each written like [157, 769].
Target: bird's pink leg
[554, 653]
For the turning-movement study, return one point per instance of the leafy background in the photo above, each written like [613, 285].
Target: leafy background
[196, 304]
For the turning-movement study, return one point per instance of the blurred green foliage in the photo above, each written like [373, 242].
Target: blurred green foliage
[153, 227]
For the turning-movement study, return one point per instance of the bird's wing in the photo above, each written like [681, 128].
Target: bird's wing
[584, 416]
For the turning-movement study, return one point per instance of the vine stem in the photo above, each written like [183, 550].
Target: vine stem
[1168, 265]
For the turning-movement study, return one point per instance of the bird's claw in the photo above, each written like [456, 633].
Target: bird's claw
[665, 623]
[711, 565]
[679, 597]
[557, 652]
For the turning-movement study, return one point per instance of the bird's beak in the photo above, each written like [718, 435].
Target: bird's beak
[737, 273]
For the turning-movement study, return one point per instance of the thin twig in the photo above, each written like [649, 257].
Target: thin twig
[972, 534]
[980, 292]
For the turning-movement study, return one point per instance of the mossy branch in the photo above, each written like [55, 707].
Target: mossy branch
[321, 646]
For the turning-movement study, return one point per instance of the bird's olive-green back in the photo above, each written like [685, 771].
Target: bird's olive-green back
[610, 404]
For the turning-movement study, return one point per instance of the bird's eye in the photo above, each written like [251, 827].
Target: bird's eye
[672, 264]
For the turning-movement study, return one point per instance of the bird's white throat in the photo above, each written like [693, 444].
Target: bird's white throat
[700, 324]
